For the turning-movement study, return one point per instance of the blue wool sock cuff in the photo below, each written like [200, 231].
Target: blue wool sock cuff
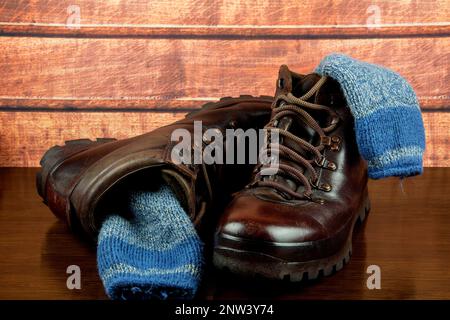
[156, 253]
[388, 123]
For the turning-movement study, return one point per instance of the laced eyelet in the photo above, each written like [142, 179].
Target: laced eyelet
[314, 182]
[323, 186]
[326, 141]
[331, 166]
[334, 142]
[320, 162]
[335, 139]
[326, 164]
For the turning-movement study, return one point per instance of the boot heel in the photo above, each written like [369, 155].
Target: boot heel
[57, 154]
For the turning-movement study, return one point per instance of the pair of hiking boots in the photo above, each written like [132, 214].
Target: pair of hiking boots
[293, 224]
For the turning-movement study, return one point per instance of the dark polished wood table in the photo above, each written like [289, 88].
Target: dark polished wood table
[407, 234]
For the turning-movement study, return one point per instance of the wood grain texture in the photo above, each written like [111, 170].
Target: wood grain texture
[230, 12]
[136, 55]
[219, 18]
[228, 32]
[32, 133]
[437, 130]
[35, 132]
[406, 234]
[181, 73]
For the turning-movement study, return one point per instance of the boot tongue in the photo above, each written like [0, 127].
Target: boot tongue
[284, 81]
[295, 83]
[298, 85]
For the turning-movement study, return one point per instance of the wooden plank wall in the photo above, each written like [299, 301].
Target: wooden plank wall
[95, 68]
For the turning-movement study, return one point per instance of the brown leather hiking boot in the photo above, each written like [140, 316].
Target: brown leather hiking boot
[79, 179]
[298, 223]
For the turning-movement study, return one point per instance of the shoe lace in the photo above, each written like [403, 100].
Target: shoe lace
[289, 105]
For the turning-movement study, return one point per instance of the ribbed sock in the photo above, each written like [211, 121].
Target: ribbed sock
[155, 253]
[388, 122]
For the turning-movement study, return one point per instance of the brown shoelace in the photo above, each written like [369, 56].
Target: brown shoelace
[289, 105]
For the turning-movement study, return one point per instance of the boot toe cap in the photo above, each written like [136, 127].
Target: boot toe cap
[250, 218]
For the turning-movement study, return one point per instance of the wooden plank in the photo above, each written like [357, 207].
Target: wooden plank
[229, 32]
[182, 73]
[30, 134]
[437, 129]
[230, 12]
[217, 18]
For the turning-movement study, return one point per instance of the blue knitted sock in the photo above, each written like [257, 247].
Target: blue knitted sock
[154, 254]
[388, 123]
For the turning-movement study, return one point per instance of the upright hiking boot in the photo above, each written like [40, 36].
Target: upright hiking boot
[298, 222]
